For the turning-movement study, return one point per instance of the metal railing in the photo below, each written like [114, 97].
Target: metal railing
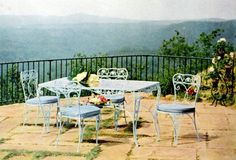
[140, 67]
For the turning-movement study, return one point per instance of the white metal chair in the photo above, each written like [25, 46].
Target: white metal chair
[116, 97]
[29, 81]
[74, 110]
[186, 88]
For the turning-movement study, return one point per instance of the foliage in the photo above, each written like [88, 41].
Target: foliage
[2, 140]
[83, 65]
[179, 46]
[222, 59]
[36, 154]
[62, 41]
[93, 153]
[213, 73]
[221, 73]
[166, 85]
[205, 45]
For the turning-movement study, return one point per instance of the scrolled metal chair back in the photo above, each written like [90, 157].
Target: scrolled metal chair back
[186, 88]
[113, 73]
[29, 81]
[71, 93]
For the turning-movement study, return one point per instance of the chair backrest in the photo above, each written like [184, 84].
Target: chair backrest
[113, 73]
[29, 81]
[186, 88]
[71, 93]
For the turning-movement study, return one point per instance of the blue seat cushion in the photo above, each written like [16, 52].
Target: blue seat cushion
[43, 100]
[85, 111]
[176, 108]
[115, 98]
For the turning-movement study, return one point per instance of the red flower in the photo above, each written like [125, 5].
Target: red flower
[103, 99]
[190, 91]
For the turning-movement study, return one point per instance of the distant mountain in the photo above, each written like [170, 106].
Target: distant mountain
[38, 37]
[8, 20]
[11, 20]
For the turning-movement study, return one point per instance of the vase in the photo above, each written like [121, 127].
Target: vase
[215, 83]
[227, 69]
[221, 53]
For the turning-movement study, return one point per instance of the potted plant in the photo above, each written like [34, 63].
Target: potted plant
[228, 63]
[214, 75]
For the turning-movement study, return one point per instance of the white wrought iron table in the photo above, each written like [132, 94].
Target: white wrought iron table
[133, 86]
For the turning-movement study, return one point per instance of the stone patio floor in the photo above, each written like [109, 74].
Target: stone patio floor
[217, 128]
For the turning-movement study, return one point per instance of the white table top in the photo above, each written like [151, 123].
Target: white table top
[107, 84]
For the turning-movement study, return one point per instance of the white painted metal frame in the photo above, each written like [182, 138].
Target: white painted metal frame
[29, 81]
[114, 73]
[71, 91]
[182, 83]
[135, 87]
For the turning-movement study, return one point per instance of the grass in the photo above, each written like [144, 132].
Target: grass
[130, 152]
[89, 131]
[93, 153]
[107, 123]
[36, 155]
[3, 140]
[12, 154]
[106, 111]
[129, 128]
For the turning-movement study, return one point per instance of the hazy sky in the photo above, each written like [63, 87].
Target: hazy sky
[130, 9]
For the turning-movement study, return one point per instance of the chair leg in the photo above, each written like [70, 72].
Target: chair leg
[195, 126]
[38, 113]
[79, 124]
[97, 127]
[46, 110]
[116, 117]
[59, 129]
[81, 130]
[176, 126]
[125, 114]
[58, 110]
[156, 124]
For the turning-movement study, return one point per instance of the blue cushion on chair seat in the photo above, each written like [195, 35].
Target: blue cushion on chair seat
[85, 111]
[176, 108]
[43, 100]
[115, 98]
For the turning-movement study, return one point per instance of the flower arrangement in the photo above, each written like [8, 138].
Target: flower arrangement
[213, 73]
[87, 79]
[99, 100]
[222, 62]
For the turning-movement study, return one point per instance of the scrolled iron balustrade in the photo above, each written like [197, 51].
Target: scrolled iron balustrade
[140, 67]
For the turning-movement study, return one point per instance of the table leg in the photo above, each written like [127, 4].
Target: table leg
[137, 99]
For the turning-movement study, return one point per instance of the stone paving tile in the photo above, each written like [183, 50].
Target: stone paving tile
[15, 110]
[31, 139]
[3, 154]
[163, 153]
[26, 157]
[226, 141]
[65, 158]
[232, 121]
[216, 128]
[213, 121]
[111, 151]
[2, 118]
[70, 147]
[216, 154]
[7, 125]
